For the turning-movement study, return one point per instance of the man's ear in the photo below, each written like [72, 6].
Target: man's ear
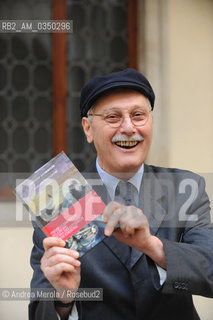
[87, 129]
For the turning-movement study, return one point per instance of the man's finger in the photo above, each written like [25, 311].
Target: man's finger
[113, 221]
[52, 251]
[52, 242]
[109, 210]
[55, 271]
[62, 258]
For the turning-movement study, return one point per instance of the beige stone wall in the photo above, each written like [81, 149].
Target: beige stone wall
[190, 87]
[177, 57]
[190, 67]
[15, 271]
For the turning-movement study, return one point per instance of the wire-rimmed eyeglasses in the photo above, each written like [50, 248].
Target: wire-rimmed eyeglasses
[114, 119]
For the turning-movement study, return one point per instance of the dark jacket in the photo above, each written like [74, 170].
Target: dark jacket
[177, 208]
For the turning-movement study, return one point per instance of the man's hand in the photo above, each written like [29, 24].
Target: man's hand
[60, 265]
[134, 230]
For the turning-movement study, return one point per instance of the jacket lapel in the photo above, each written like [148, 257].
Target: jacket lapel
[150, 201]
[121, 250]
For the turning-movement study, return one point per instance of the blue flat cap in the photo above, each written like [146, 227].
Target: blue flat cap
[99, 85]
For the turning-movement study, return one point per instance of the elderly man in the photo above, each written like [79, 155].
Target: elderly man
[162, 252]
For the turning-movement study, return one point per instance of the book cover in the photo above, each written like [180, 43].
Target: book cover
[63, 204]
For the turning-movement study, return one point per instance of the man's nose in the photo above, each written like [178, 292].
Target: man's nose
[127, 126]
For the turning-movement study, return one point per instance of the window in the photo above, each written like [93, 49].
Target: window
[101, 42]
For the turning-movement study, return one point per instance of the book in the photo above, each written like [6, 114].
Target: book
[63, 204]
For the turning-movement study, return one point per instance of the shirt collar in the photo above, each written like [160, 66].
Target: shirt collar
[111, 182]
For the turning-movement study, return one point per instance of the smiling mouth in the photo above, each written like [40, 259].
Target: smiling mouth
[127, 144]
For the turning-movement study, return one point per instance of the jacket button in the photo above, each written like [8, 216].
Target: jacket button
[176, 285]
[184, 286]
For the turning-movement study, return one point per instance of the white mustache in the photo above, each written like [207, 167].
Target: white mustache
[124, 137]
